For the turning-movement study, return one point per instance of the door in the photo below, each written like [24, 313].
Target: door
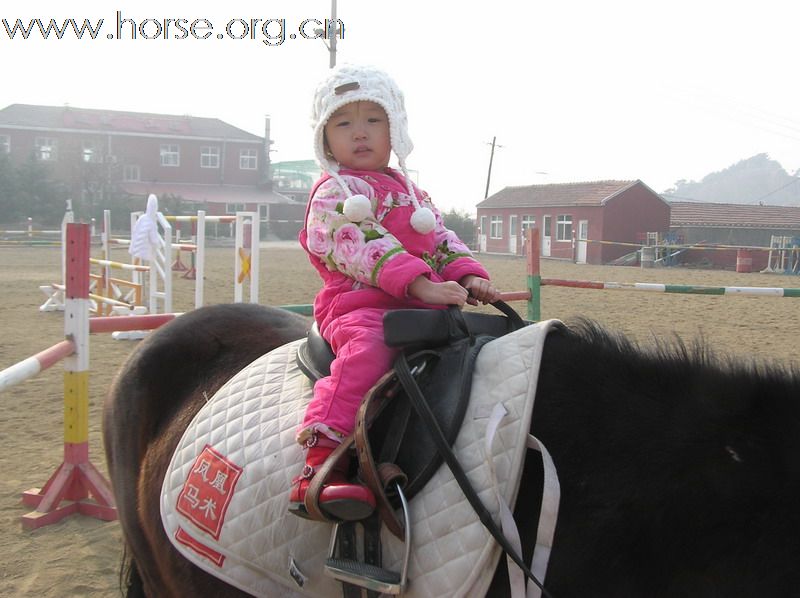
[512, 234]
[583, 235]
[482, 236]
[546, 235]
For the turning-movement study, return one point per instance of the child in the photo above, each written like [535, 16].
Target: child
[378, 244]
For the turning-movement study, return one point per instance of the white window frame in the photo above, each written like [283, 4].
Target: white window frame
[564, 227]
[528, 221]
[248, 159]
[46, 149]
[232, 208]
[5, 144]
[90, 152]
[496, 227]
[209, 156]
[131, 173]
[170, 155]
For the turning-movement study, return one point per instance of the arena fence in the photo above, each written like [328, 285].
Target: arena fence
[535, 282]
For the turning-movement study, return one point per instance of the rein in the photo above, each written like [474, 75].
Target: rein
[420, 404]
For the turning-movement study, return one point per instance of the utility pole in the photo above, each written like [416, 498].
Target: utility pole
[491, 159]
[329, 34]
[332, 31]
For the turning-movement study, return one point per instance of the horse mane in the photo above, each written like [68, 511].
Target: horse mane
[675, 357]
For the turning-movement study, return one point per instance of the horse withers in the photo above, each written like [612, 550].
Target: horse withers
[679, 472]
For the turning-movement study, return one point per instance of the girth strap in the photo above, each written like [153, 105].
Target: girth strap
[423, 410]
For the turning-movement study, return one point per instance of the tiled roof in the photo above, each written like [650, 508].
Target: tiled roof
[69, 118]
[725, 215]
[594, 193]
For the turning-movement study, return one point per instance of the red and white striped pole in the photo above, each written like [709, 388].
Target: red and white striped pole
[76, 486]
[28, 368]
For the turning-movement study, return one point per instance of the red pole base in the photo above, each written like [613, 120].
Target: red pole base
[68, 491]
[191, 274]
[178, 265]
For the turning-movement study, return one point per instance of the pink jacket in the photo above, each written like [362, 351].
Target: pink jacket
[371, 263]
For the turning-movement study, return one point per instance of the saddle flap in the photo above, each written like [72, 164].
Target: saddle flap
[398, 435]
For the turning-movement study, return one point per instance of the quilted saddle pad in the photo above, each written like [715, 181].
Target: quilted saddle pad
[225, 496]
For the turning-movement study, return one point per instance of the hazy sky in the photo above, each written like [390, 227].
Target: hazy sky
[574, 91]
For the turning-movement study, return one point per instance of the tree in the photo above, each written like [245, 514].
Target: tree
[32, 193]
[10, 207]
[758, 178]
[461, 224]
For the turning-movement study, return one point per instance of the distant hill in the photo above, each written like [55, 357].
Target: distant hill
[759, 179]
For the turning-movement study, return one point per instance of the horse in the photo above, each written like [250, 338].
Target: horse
[679, 469]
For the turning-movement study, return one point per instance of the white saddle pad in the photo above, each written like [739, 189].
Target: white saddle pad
[225, 496]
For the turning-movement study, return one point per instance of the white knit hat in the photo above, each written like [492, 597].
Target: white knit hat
[350, 83]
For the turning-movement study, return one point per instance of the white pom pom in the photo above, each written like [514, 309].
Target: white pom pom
[357, 208]
[423, 221]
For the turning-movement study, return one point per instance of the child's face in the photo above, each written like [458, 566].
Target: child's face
[357, 135]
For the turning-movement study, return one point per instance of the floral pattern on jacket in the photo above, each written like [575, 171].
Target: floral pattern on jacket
[360, 250]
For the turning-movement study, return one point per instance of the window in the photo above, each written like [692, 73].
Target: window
[563, 228]
[248, 159]
[5, 144]
[170, 155]
[45, 149]
[232, 208]
[209, 156]
[496, 227]
[130, 173]
[91, 152]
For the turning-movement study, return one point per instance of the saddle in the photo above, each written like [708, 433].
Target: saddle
[440, 347]
[398, 447]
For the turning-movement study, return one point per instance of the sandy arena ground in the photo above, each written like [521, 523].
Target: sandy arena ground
[80, 556]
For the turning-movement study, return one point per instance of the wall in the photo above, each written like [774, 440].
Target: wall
[634, 211]
[559, 249]
[143, 152]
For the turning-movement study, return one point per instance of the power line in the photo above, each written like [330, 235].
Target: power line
[792, 182]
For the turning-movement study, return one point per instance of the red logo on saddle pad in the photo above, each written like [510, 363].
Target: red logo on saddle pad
[208, 490]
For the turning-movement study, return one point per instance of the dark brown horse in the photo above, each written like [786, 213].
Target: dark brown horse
[680, 473]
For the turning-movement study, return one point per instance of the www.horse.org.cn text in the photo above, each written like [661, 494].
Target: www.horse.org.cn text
[271, 32]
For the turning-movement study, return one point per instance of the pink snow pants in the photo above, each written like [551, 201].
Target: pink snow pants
[361, 359]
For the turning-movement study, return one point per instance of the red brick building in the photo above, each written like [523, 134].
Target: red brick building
[572, 218]
[100, 154]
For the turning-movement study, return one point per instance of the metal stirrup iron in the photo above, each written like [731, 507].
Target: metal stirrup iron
[368, 576]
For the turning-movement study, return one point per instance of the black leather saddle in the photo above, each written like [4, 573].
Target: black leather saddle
[441, 346]
[410, 329]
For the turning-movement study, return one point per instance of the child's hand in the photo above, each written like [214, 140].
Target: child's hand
[437, 293]
[479, 289]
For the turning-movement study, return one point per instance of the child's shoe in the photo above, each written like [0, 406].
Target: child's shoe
[339, 498]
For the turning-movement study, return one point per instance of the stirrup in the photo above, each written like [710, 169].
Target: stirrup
[368, 576]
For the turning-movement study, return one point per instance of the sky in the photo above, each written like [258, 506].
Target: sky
[571, 90]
